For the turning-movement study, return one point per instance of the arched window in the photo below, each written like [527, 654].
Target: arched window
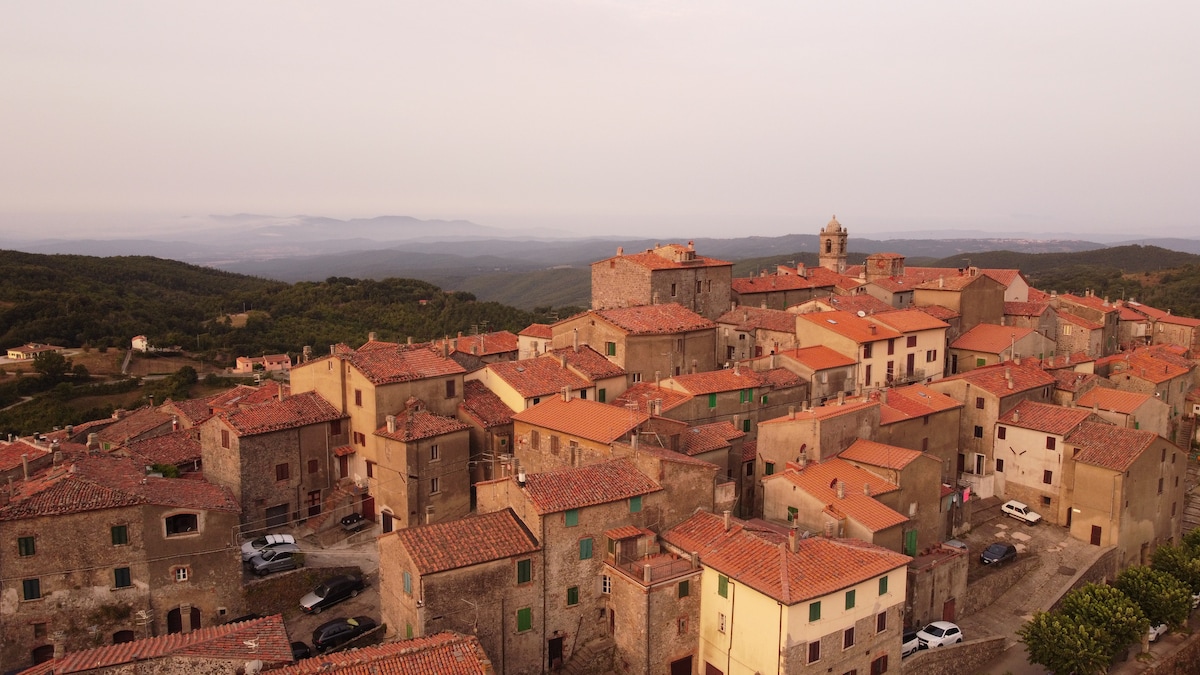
[829, 246]
[175, 620]
[123, 636]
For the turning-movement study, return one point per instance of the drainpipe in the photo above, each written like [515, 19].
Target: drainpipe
[729, 649]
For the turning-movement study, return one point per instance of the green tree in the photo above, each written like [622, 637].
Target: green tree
[1162, 597]
[1064, 645]
[1181, 562]
[52, 365]
[1120, 620]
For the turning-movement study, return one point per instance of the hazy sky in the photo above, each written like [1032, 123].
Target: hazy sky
[671, 117]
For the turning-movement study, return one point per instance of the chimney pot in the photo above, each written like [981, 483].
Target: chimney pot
[841, 489]
[725, 517]
[391, 424]
[793, 541]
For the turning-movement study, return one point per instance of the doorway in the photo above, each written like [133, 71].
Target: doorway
[682, 666]
[556, 652]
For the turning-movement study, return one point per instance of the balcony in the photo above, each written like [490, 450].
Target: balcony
[655, 568]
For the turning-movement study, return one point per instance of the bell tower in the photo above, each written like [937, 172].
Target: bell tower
[832, 255]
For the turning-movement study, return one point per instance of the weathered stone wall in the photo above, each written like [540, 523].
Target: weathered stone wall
[1185, 660]
[281, 593]
[985, 590]
[964, 657]
[1099, 572]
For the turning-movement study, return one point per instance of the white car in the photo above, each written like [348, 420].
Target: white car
[939, 634]
[1156, 632]
[256, 546]
[910, 643]
[1021, 512]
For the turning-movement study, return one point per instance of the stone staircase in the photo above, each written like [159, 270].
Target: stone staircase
[1186, 432]
[594, 658]
[1191, 497]
[334, 504]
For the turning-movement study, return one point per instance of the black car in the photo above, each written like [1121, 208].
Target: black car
[998, 554]
[340, 631]
[331, 592]
[354, 522]
[300, 651]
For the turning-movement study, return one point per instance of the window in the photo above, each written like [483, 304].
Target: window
[978, 431]
[121, 578]
[39, 630]
[684, 588]
[979, 402]
[585, 549]
[746, 425]
[435, 485]
[370, 469]
[1048, 477]
[769, 468]
[721, 622]
[451, 389]
[749, 469]
[1002, 432]
[524, 571]
[610, 348]
[602, 395]
[605, 584]
[999, 465]
[722, 585]
[681, 625]
[358, 397]
[524, 619]
[814, 652]
[912, 341]
[698, 287]
[712, 401]
[1067, 329]
[408, 630]
[867, 375]
[120, 535]
[979, 363]
[880, 622]
[407, 583]
[883, 585]
[867, 350]
[636, 377]
[572, 596]
[571, 517]
[225, 438]
[848, 638]
[31, 589]
[891, 346]
[879, 665]
[746, 396]
[535, 439]
[635, 504]
[1045, 501]
[792, 513]
[925, 444]
[181, 573]
[850, 599]
[814, 611]
[281, 471]
[181, 523]
[1160, 485]
[1050, 443]
[313, 466]
[27, 546]
[434, 454]
[335, 428]
[930, 355]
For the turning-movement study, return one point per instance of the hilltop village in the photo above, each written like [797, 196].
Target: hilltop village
[700, 474]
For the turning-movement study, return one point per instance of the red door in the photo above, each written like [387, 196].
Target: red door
[948, 610]
[368, 507]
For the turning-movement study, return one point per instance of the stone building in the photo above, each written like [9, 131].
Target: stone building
[1097, 311]
[560, 433]
[423, 469]
[740, 396]
[663, 274]
[918, 479]
[97, 552]
[919, 418]
[750, 332]
[442, 653]
[832, 242]
[1077, 334]
[988, 344]
[1167, 328]
[790, 286]
[490, 430]
[1128, 409]
[827, 373]
[1038, 316]
[976, 297]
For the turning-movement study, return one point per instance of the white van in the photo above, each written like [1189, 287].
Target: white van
[1020, 511]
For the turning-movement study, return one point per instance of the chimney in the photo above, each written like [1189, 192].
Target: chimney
[941, 282]
[575, 339]
[841, 398]
[428, 514]
[791, 412]
[793, 542]
[391, 424]
[883, 396]
[175, 420]
[371, 336]
[562, 361]
[802, 460]
[620, 251]
[520, 474]
[306, 354]
[93, 442]
[693, 366]
[737, 369]
[867, 489]
[647, 577]
[873, 328]
[410, 340]
[566, 392]
[25, 464]
[657, 378]
[841, 489]
[446, 347]
[725, 517]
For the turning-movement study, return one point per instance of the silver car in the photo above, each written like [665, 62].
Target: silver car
[256, 546]
[276, 559]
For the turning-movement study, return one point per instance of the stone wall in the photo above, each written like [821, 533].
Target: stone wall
[281, 593]
[964, 657]
[984, 591]
[1103, 570]
[1185, 660]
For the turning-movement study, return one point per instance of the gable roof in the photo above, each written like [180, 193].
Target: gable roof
[1077, 320]
[995, 379]
[850, 326]
[262, 639]
[467, 541]
[913, 401]
[820, 480]
[542, 376]
[132, 425]
[1108, 445]
[13, 454]
[747, 318]
[654, 319]
[859, 302]
[939, 312]
[1116, 400]
[1089, 301]
[641, 395]
[908, 320]
[484, 406]
[823, 412]
[441, 654]
[415, 423]
[388, 363]
[818, 357]
[670, 256]
[708, 437]
[177, 447]
[1071, 380]
[716, 381]
[590, 363]
[1161, 316]
[542, 331]
[1044, 417]
[244, 395]
[806, 278]
[578, 487]
[594, 421]
[292, 412]
[483, 344]
[879, 454]
[764, 562]
[1012, 308]
[1147, 365]
[989, 338]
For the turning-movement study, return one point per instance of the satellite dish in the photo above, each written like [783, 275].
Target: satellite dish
[861, 314]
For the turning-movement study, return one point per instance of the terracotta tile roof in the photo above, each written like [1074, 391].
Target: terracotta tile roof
[708, 437]
[939, 312]
[1061, 361]
[823, 412]
[749, 451]
[655, 319]
[820, 567]
[994, 379]
[1036, 295]
[542, 376]
[670, 256]
[10, 453]
[415, 423]
[1044, 417]
[663, 454]
[136, 423]
[818, 357]
[623, 532]
[575, 488]
[1079, 321]
[467, 541]
[1108, 445]
[343, 450]
[94, 482]
[440, 654]
[542, 331]
[484, 344]
[1090, 301]
[594, 421]
[591, 364]
[1148, 366]
[641, 394]
[1193, 395]
[850, 326]
[262, 639]
[1159, 315]
[913, 401]
[989, 338]
[1006, 277]
[1025, 308]
[879, 454]
[781, 378]
[716, 381]
[1116, 400]
[817, 478]
[388, 363]
[243, 396]
[747, 318]
[292, 412]
[483, 406]
[860, 302]
[787, 282]
[892, 284]
[1127, 314]
[908, 320]
[178, 447]
[957, 282]
[1072, 380]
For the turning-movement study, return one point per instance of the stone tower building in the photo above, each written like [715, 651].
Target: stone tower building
[832, 255]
